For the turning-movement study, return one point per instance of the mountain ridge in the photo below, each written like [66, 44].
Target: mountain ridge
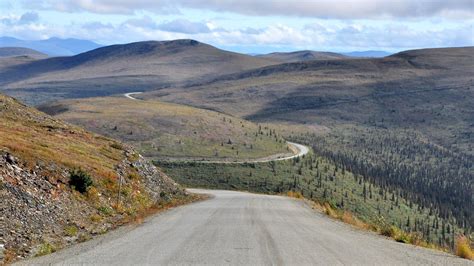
[303, 55]
[53, 46]
[124, 68]
[20, 51]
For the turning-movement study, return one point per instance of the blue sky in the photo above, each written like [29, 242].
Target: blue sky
[249, 26]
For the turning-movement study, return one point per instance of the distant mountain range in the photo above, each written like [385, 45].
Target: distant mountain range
[66, 47]
[52, 46]
[299, 56]
[369, 53]
[307, 55]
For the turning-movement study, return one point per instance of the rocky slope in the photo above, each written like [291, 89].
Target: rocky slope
[40, 211]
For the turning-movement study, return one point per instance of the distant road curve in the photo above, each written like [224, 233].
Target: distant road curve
[298, 149]
[239, 228]
[129, 95]
[301, 151]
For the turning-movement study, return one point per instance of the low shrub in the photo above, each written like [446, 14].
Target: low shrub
[349, 218]
[83, 238]
[330, 211]
[80, 180]
[294, 194]
[117, 146]
[463, 248]
[71, 230]
[45, 249]
[93, 195]
[105, 210]
[389, 231]
[9, 257]
[95, 218]
[403, 237]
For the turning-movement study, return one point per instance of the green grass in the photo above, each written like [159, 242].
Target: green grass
[71, 230]
[45, 249]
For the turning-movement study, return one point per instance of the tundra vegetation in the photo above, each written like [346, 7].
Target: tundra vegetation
[391, 137]
[170, 131]
[61, 184]
[340, 190]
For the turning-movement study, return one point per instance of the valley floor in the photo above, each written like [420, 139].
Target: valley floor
[244, 229]
[297, 150]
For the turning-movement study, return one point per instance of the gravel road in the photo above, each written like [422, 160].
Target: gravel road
[129, 95]
[240, 228]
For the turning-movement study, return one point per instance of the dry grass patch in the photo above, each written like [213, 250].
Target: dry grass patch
[463, 248]
[294, 194]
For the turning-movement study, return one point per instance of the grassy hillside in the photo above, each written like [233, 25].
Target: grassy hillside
[122, 68]
[170, 131]
[60, 184]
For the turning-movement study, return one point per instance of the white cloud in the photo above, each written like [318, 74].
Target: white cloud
[29, 17]
[339, 9]
[26, 18]
[321, 36]
[184, 26]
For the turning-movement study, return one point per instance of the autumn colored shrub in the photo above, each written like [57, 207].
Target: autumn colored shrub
[463, 248]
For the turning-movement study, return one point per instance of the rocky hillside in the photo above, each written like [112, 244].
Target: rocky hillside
[60, 184]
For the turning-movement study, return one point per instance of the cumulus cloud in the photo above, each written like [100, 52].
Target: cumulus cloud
[105, 6]
[26, 18]
[347, 9]
[29, 17]
[320, 35]
[144, 22]
[185, 26]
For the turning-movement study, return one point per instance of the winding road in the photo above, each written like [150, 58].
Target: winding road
[298, 149]
[129, 95]
[238, 228]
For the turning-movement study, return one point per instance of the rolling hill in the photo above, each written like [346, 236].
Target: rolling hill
[299, 56]
[170, 131]
[369, 53]
[59, 183]
[20, 51]
[429, 89]
[402, 122]
[392, 137]
[121, 68]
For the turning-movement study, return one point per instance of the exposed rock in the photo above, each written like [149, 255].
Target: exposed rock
[35, 210]
[2, 252]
